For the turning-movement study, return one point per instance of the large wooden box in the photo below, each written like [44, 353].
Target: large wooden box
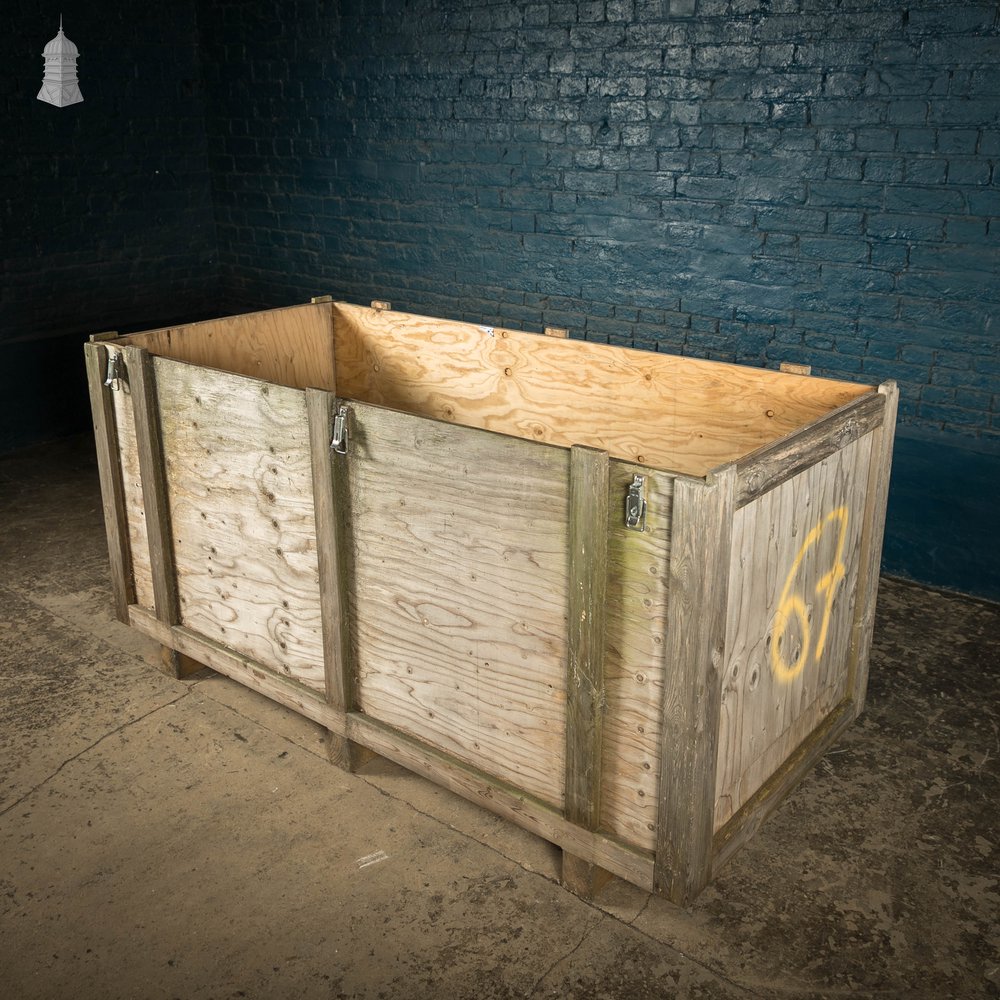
[623, 599]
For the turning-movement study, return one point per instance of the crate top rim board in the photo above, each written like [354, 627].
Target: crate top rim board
[671, 412]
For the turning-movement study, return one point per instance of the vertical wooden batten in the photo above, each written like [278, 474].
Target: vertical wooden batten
[142, 384]
[109, 470]
[696, 630]
[873, 529]
[156, 503]
[329, 497]
[585, 701]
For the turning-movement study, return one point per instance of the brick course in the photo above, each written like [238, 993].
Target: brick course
[765, 167]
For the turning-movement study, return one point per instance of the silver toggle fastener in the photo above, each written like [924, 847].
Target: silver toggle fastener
[635, 505]
[339, 440]
[116, 371]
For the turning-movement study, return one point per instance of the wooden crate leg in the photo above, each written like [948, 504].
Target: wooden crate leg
[347, 754]
[177, 665]
[581, 877]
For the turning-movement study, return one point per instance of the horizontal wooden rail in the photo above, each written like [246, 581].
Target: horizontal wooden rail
[536, 817]
[774, 464]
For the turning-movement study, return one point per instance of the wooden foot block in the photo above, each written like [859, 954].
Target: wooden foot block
[177, 665]
[581, 877]
[347, 754]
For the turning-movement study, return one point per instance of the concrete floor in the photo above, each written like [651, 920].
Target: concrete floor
[188, 839]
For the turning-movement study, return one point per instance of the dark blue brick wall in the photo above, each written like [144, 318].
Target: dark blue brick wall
[749, 180]
[105, 206]
[814, 181]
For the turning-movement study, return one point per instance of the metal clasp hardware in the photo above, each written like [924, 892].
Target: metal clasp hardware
[635, 505]
[339, 441]
[116, 371]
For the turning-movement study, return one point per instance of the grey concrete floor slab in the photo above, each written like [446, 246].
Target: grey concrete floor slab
[164, 838]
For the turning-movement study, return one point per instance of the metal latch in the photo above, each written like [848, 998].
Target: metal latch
[339, 441]
[635, 505]
[116, 371]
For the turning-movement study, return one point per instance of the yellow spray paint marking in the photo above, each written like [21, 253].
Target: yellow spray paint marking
[792, 605]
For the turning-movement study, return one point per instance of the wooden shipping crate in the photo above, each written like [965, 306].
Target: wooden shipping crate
[623, 599]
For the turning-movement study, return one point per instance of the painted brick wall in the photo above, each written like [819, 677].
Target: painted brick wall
[751, 180]
[105, 206]
[805, 180]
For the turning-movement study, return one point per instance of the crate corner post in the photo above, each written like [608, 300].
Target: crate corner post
[700, 559]
[102, 406]
[873, 530]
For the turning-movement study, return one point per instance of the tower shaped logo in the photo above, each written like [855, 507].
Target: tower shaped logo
[59, 85]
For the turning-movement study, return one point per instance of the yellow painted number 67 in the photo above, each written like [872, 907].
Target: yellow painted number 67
[791, 605]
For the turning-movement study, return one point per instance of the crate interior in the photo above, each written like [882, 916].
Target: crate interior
[664, 411]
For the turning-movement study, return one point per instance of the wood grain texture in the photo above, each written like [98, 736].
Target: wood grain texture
[106, 440]
[582, 878]
[177, 665]
[635, 656]
[696, 643]
[791, 601]
[292, 346]
[152, 473]
[652, 409]
[346, 754]
[330, 498]
[443, 769]
[775, 464]
[870, 559]
[588, 586]
[333, 580]
[240, 488]
[459, 601]
[135, 512]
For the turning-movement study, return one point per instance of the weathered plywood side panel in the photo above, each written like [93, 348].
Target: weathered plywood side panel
[871, 544]
[135, 512]
[791, 602]
[241, 504]
[459, 598]
[292, 347]
[652, 409]
[635, 656]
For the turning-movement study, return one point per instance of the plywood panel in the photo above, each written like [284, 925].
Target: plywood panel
[653, 409]
[293, 346]
[791, 601]
[240, 492]
[132, 483]
[459, 602]
[638, 567]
